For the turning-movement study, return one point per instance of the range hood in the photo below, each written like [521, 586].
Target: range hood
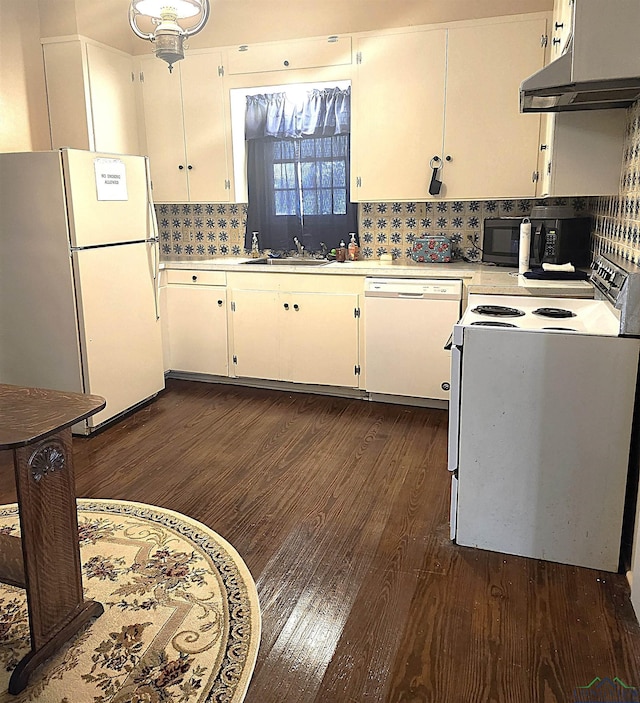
[600, 68]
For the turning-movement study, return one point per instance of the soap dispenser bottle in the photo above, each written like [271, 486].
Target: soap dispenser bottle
[353, 248]
[255, 251]
[341, 254]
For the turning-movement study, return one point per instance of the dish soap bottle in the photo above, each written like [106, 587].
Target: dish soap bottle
[353, 248]
[255, 251]
[341, 254]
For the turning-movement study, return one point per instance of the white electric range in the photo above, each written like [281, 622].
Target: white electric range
[567, 315]
[540, 415]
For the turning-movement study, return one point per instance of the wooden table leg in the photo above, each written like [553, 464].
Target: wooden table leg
[52, 570]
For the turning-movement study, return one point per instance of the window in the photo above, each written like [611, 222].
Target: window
[298, 170]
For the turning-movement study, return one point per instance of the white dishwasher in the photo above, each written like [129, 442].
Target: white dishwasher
[407, 325]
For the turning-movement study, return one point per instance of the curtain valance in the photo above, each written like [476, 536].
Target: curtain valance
[322, 113]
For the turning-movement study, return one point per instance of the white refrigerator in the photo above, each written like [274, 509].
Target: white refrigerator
[78, 277]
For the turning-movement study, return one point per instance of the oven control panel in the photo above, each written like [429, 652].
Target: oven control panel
[607, 277]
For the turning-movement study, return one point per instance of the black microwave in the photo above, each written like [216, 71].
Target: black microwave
[553, 241]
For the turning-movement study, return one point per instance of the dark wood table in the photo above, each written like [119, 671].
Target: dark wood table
[36, 424]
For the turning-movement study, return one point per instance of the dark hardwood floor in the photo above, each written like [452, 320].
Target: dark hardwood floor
[340, 510]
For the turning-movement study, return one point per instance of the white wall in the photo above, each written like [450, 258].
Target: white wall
[23, 109]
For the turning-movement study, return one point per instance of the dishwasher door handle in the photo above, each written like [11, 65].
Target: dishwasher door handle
[410, 295]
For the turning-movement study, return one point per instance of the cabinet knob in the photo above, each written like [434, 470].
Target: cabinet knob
[448, 157]
[220, 303]
[189, 167]
[296, 307]
[286, 306]
[286, 63]
[181, 167]
[556, 40]
[543, 147]
[194, 278]
[559, 25]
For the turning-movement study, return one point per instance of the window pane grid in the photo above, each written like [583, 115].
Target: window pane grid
[322, 167]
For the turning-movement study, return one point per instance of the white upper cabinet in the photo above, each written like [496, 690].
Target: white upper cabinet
[91, 96]
[186, 135]
[164, 130]
[397, 116]
[581, 153]
[289, 55]
[490, 148]
[449, 95]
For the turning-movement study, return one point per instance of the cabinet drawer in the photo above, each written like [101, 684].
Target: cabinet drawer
[200, 278]
[310, 53]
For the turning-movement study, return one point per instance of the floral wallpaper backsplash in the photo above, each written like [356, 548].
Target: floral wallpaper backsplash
[192, 231]
[617, 218]
[189, 232]
[391, 228]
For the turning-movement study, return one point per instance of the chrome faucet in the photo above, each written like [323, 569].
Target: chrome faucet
[323, 250]
[299, 246]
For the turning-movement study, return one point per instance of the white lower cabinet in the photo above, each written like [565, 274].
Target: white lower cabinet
[302, 337]
[320, 338]
[196, 326]
[256, 339]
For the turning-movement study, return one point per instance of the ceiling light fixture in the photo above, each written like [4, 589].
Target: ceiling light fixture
[168, 37]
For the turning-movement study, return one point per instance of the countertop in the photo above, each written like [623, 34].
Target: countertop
[477, 277]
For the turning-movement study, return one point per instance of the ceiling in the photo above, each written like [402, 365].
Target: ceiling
[249, 21]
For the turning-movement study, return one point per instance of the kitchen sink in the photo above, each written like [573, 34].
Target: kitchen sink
[288, 261]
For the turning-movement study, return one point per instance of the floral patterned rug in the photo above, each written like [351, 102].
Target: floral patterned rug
[181, 620]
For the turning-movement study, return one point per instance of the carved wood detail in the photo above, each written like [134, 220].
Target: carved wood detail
[49, 456]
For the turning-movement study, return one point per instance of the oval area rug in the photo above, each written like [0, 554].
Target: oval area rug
[181, 621]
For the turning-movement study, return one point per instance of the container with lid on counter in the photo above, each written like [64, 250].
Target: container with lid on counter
[434, 249]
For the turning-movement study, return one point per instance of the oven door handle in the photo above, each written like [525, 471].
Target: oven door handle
[453, 439]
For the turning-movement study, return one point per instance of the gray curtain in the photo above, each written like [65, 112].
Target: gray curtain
[323, 113]
[315, 136]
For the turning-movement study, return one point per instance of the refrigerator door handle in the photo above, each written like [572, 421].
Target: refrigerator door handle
[154, 241]
[155, 275]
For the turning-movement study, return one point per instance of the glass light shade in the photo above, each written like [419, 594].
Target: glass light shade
[181, 8]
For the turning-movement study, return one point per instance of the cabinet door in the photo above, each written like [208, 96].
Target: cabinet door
[67, 96]
[491, 150]
[204, 129]
[91, 97]
[164, 127]
[582, 153]
[256, 338]
[287, 56]
[113, 100]
[197, 329]
[319, 338]
[397, 117]
[561, 28]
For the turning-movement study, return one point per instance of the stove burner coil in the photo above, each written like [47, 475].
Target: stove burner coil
[493, 323]
[497, 311]
[556, 313]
